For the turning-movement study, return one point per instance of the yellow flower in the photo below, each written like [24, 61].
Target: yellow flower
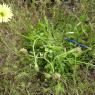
[5, 13]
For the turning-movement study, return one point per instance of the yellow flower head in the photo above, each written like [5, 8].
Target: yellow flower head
[5, 13]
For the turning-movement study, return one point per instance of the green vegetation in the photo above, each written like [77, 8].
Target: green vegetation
[35, 57]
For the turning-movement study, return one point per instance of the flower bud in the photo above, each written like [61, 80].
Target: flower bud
[36, 67]
[23, 51]
[56, 76]
[47, 75]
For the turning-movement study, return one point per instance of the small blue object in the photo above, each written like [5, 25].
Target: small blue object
[73, 41]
